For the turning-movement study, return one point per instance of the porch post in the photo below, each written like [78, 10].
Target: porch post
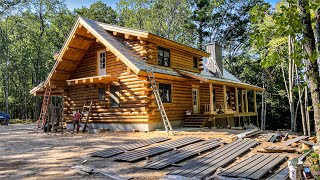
[242, 101]
[247, 105]
[255, 101]
[211, 98]
[236, 99]
[225, 103]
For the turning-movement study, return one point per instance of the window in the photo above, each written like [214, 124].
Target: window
[102, 60]
[165, 92]
[101, 94]
[195, 62]
[163, 56]
[114, 96]
[101, 63]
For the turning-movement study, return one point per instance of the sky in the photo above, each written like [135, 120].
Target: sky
[79, 3]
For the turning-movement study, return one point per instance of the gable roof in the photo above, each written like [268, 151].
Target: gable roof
[96, 31]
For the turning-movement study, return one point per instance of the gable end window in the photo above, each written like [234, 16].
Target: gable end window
[165, 92]
[102, 94]
[163, 56]
[195, 62]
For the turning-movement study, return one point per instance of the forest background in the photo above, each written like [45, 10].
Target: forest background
[275, 47]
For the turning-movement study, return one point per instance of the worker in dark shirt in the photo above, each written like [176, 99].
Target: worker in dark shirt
[77, 121]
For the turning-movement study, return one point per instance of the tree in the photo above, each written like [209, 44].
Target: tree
[98, 11]
[309, 44]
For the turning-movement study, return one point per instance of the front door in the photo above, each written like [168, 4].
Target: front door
[195, 100]
[101, 62]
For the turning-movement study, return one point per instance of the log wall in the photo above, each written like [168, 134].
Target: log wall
[179, 59]
[133, 91]
[181, 101]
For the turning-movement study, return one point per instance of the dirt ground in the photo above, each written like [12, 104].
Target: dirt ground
[27, 153]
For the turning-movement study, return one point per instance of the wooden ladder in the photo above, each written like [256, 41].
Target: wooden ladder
[156, 94]
[89, 113]
[44, 108]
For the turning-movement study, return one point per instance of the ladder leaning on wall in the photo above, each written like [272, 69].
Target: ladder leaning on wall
[156, 94]
[44, 108]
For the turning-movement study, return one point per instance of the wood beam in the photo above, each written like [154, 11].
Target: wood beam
[76, 36]
[246, 98]
[130, 37]
[211, 98]
[76, 49]
[236, 99]
[225, 103]
[242, 101]
[255, 101]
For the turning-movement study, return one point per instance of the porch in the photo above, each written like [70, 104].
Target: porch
[223, 106]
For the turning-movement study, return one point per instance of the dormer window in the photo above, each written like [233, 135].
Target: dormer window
[195, 62]
[163, 57]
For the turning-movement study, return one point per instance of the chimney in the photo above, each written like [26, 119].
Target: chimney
[214, 62]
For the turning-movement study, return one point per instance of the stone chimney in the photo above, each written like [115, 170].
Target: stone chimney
[214, 62]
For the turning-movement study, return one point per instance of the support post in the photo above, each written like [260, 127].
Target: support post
[255, 101]
[236, 99]
[225, 103]
[211, 98]
[242, 101]
[246, 97]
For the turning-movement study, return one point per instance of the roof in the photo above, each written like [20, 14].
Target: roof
[227, 79]
[118, 47]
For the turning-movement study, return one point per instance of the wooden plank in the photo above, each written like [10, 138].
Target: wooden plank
[188, 152]
[308, 143]
[141, 154]
[281, 175]
[234, 169]
[272, 149]
[267, 167]
[288, 143]
[221, 157]
[109, 152]
[225, 160]
[250, 164]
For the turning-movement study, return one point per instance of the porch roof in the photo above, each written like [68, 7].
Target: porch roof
[230, 81]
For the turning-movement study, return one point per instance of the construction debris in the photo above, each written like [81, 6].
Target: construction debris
[297, 139]
[246, 134]
[89, 170]
[272, 149]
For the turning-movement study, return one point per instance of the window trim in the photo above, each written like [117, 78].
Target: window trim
[164, 49]
[98, 61]
[167, 102]
[104, 94]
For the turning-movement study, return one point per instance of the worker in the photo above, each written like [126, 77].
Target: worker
[76, 121]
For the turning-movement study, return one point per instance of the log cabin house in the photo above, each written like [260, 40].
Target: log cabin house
[108, 65]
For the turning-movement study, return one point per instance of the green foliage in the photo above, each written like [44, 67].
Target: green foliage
[98, 11]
